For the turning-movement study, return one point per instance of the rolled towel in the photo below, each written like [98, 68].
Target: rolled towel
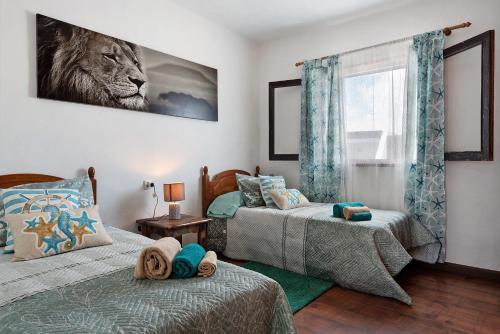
[155, 261]
[349, 210]
[338, 208]
[208, 265]
[361, 216]
[187, 260]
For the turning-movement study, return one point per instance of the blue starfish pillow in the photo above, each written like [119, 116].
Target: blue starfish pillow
[42, 234]
[21, 200]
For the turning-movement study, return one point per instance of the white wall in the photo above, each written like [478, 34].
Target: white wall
[473, 188]
[126, 147]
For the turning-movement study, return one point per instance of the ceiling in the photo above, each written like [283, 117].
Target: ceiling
[263, 20]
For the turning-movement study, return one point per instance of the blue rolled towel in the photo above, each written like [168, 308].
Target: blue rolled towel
[361, 216]
[186, 262]
[338, 208]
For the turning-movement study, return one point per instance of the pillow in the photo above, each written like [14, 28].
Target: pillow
[3, 233]
[82, 184]
[250, 190]
[226, 205]
[44, 234]
[268, 183]
[289, 199]
[9, 240]
[17, 201]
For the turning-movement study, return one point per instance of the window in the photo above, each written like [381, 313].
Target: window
[374, 105]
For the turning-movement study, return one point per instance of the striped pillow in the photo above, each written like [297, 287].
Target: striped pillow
[268, 183]
[9, 245]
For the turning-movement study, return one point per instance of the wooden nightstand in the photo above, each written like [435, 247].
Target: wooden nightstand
[166, 227]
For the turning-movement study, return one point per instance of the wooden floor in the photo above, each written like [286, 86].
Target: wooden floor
[443, 302]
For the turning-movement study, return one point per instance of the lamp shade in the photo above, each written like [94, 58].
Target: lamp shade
[173, 192]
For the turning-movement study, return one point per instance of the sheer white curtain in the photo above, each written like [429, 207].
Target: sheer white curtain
[373, 103]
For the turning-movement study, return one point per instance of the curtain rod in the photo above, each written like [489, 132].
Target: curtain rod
[446, 31]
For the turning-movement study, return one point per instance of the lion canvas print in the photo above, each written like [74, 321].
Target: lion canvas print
[79, 65]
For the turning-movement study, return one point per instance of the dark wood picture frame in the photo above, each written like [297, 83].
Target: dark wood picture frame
[272, 86]
[487, 42]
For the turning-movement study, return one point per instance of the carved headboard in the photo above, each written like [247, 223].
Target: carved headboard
[222, 183]
[11, 180]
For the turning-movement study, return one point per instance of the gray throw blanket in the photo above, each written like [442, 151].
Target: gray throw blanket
[362, 256]
[94, 294]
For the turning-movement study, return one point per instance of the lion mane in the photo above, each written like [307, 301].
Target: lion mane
[79, 65]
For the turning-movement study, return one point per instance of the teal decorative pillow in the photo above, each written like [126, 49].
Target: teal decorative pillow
[22, 201]
[9, 244]
[226, 205]
[289, 199]
[3, 233]
[268, 183]
[82, 184]
[250, 190]
[48, 233]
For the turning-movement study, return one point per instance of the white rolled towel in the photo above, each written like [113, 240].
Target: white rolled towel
[208, 264]
[155, 261]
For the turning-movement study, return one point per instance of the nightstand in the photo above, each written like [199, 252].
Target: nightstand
[175, 228]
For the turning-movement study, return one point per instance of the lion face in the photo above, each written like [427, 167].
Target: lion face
[79, 65]
[116, 69]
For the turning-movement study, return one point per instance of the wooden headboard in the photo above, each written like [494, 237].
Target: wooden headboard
[11, 180]
[222, 183]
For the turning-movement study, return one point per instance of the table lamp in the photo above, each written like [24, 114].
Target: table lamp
[172, 193]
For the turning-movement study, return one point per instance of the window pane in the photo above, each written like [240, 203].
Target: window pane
[374, 105]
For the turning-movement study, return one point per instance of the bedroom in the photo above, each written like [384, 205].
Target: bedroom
[249, 48]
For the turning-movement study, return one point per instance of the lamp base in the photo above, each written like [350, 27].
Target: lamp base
[174, 211]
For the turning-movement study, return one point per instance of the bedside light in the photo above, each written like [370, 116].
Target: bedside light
[172, 193]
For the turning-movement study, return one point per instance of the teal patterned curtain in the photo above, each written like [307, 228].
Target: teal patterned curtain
[425, 190]
[322, 137]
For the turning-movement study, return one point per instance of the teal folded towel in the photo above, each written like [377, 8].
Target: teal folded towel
[338, 208]
[361, 216]
[187, 260]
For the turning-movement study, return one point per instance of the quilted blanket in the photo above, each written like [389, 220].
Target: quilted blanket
[363, 256]
[93, 291]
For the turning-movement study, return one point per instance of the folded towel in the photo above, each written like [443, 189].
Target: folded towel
[208, 265]
[155, 261]
[361, 216]
[338, 208]
[187, 260]
[349, 210]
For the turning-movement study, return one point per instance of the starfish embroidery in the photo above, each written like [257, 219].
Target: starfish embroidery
[413, 167]
[53, 242]
[31, 224]
[42, 230]
[438, 204]
[439, 131]
[79, 232]
[439, 93]
[439, 167]
[84, 220]
[438, 56]
[420, 181]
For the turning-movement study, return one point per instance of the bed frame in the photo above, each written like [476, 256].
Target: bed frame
[220, 184]
[11, 180]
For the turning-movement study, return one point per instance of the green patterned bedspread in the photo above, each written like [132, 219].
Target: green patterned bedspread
[363, 256]
[234, 300]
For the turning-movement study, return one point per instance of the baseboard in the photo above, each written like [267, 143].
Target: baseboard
[462, 270]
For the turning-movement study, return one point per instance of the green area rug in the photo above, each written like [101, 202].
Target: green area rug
[300, 289]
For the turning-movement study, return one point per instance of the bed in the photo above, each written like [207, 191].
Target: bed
[363, 256]
[93, 290]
